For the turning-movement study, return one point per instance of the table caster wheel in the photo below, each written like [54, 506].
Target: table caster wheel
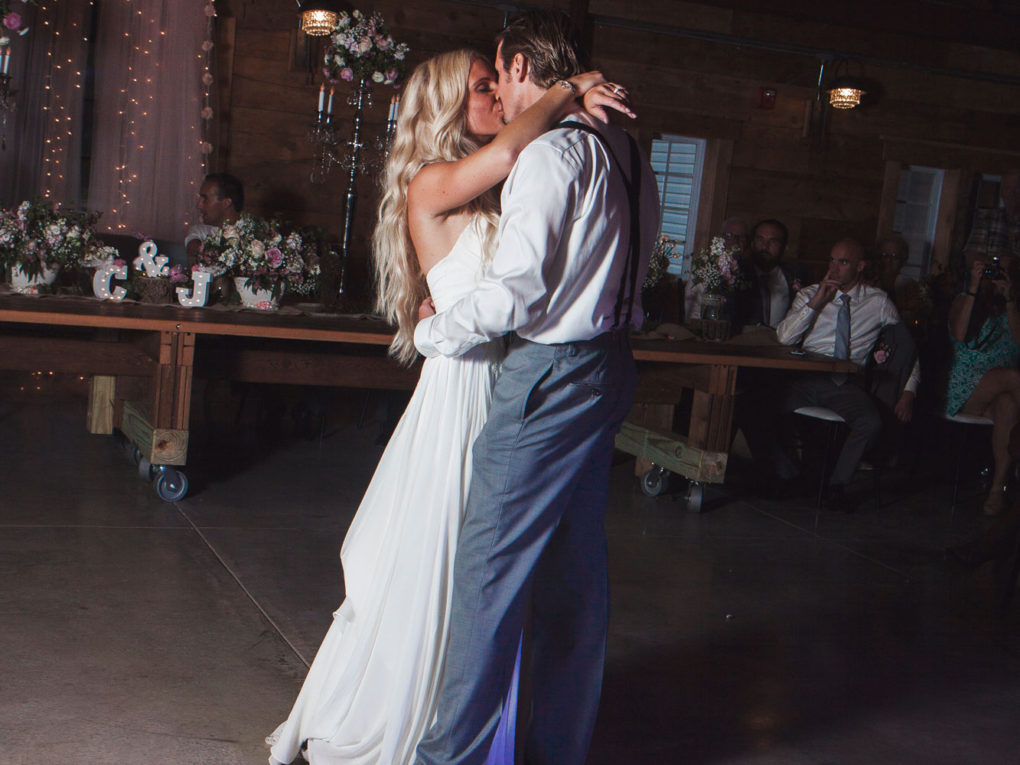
[654, 481]
[695, 494]
[145, 471]
[170, 484]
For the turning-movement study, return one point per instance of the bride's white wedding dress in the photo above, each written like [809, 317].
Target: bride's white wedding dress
[370, 694]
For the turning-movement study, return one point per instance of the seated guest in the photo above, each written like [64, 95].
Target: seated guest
[840, 317]
[220, 201]
[983, 380]
[737, 235]
[891, 254]
[772, 282]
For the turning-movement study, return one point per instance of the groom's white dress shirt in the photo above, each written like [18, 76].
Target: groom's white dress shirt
[552, 280]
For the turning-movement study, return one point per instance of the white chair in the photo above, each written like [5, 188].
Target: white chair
[827, 415]
[962, 420]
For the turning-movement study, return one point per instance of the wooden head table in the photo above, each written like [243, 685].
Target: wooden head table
[142, 358]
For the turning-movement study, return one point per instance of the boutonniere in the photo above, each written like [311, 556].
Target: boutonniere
[882, 353]
[796, 286]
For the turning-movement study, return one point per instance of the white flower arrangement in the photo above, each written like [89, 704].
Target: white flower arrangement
[36, 235]
[256, 249]
[361, 49]
[717, 268]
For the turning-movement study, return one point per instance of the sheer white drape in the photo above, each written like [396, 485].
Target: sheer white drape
[146, 131]
[44, 134]
[146, 161]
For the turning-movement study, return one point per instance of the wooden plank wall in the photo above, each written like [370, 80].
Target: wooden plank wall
[694, 68]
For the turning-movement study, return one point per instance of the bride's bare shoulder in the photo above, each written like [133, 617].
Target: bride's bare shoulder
[433, 237]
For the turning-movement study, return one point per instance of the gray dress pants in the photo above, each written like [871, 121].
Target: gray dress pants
[848, 400]
[533, 535]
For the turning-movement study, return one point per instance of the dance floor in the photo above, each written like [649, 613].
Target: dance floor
[138, 631]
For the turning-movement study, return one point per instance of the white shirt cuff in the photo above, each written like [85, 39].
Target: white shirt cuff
[422, 341]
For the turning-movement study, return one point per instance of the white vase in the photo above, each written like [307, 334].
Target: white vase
[23, 283]
[261, 300]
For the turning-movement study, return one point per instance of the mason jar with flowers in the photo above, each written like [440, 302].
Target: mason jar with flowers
[263, 261]
[715, 275]
[37, 240]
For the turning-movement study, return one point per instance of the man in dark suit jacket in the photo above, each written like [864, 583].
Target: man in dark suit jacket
[772, 283]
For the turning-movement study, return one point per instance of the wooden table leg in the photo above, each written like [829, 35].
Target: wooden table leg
[160, 429]
[712, 410]
[102, 392]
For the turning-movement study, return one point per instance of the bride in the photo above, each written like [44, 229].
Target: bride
[370, 693]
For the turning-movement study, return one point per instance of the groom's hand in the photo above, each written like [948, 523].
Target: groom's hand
[426, 309]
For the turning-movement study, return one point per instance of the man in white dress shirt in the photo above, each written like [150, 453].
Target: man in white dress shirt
[579, 219]
[220, 201]
[815, 322]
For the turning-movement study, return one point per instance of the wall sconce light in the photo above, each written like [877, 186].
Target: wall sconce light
[845, 91]
[318, 18]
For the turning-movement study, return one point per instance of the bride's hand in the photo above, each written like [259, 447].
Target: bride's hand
[598, 95]
[426, 309]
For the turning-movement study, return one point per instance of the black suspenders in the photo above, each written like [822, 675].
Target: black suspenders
[633, 186]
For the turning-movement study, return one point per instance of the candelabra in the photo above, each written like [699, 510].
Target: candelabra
[322, 134]
[355, 156]
[360, 100]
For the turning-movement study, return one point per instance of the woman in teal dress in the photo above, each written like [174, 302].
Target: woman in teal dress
[984, 380]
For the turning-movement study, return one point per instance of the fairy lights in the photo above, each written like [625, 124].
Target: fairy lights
[133, 104]
[138, 110]
[67, 71]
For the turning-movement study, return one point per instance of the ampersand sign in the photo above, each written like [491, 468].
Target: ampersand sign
[154, 265]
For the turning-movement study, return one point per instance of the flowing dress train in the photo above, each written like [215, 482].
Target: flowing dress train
[370, 693]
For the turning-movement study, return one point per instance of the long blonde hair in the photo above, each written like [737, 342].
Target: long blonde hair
[432, 127]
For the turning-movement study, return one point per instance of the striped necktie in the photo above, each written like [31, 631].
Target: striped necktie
[841, 346]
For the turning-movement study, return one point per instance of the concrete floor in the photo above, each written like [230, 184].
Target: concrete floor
[137, 631]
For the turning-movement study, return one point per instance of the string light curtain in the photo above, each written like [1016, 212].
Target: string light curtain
[147, 163]
[43, 155]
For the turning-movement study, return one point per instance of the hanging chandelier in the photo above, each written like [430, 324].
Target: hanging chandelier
[318, 19]
[845, 92]
[845, 95]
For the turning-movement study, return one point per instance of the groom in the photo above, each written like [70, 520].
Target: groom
[579, 217]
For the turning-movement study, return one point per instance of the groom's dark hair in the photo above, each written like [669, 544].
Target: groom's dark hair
[542, 37]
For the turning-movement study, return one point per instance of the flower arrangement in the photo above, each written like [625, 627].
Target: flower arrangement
[35, 236]
[717, 268]
[257, 249]
[658, 264]
[10, 22]
[361, 49]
